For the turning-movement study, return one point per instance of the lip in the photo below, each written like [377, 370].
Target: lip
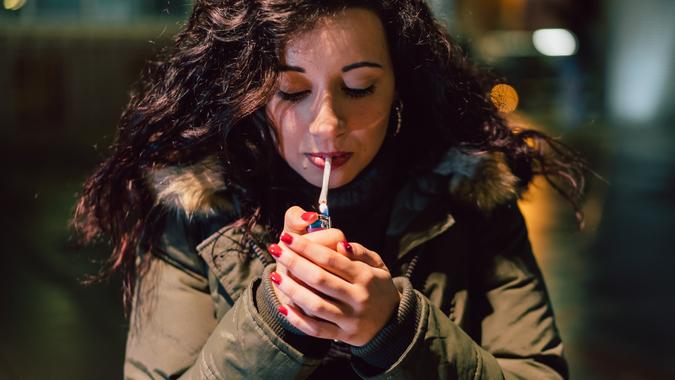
[337, 158]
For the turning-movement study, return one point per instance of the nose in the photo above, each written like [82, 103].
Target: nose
[326, 122]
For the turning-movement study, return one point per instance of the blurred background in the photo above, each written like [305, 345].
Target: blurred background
[597, 74]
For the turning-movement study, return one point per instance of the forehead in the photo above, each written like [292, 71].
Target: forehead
[351, 35]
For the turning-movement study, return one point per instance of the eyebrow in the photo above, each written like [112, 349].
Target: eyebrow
[349, 67]
[360, 64]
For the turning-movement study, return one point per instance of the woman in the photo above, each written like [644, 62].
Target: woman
[429, 273]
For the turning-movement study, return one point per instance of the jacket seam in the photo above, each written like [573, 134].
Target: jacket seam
[210, 239]
[479, 364]
[202, 371]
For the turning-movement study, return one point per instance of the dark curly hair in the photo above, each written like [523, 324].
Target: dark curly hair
[204, 96]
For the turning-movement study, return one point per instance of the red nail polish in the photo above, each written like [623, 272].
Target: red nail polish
[275, 277]
[283, 310]
[347, 246]
[309, 216]
[286, 238]
[274, 250]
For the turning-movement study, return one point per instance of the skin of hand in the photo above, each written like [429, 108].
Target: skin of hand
[330, 288]
[296, 220]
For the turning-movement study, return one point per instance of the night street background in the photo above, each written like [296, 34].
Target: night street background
[66, 67]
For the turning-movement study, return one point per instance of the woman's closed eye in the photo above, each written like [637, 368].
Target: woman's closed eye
[292, 96]
[351, 92]
[359, 92]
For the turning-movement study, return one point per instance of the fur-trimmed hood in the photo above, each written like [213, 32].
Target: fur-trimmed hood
[481, 179]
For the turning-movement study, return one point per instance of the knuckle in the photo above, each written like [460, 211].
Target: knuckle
[343, 292]
[319, 308]
[361, 299]
[378, 275]
[300, 244]
[288, 290]
[291, 262]
[315, 330]
[367, 278]
[351, 328]
[319, 279]
[329, 260]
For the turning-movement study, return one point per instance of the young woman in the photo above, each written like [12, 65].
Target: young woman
[215, 176]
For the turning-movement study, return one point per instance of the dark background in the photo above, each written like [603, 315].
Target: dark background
[65, 70]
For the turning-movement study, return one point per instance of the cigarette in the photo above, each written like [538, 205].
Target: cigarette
[324, 216]
[323, 197]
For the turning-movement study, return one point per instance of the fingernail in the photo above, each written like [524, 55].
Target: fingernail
[286, 238]
[274, 250]
[283, 310]
[275, 277]
[309, 216]
[346, 246]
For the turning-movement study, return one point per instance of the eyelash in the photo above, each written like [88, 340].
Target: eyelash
[351, 92]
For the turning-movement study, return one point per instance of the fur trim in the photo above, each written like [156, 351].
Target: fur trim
[482, 179]
[193, 189]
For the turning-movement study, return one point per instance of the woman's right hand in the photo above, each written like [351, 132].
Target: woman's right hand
[296, 220]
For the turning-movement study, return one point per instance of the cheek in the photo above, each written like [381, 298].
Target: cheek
[287, 127]
[372, 117]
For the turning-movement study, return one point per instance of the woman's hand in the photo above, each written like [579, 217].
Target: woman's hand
[296, 220]
[345, 293]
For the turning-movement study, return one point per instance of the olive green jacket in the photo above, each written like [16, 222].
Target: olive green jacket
[461, 242]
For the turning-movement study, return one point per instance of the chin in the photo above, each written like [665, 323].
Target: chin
[337, 179]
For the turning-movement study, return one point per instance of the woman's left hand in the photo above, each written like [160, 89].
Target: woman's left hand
[345, 293]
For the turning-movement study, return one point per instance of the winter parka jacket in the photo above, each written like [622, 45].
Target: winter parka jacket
[462, 244]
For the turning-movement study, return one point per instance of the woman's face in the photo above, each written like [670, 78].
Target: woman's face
[336, 89]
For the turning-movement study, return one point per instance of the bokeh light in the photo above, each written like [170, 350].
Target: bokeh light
[13, 5]
[504, 97]
[555, 42]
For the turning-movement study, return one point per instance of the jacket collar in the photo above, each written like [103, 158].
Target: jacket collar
[482, 180]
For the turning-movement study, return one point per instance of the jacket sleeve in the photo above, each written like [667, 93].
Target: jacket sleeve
[517, 337]
[174, 332]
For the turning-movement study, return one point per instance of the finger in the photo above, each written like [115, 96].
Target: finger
[356, 251]
[321, 255]
[310, 273]
[309, 325]
[328, 237]
[310, 302]
[296, 220]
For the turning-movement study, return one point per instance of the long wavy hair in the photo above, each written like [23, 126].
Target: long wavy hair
[204, 96]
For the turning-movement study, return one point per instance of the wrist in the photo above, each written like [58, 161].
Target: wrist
[392, 340]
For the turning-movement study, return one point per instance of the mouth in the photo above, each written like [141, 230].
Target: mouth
[337, 158]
